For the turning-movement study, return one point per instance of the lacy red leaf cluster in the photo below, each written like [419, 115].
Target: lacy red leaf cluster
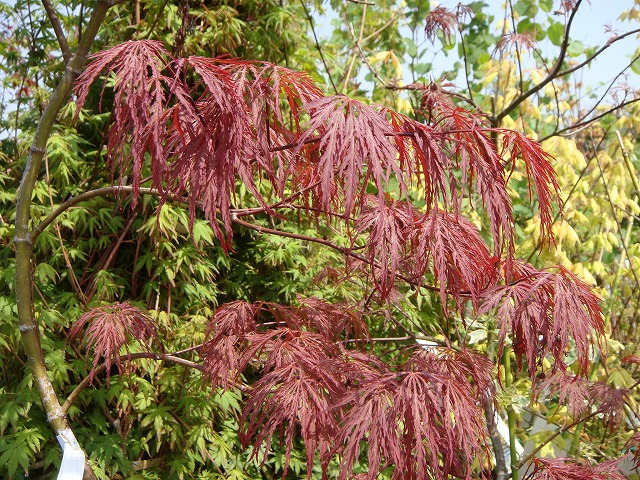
[422, 416]
[206, 126]
[108, 329]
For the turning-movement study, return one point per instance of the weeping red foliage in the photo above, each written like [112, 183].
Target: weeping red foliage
[538, 167]
[108, 329]
[481, 165]
[573, 469]
[206, 126]
[301, 377]
[422, 418]
[224, 341]
[609, 401]
[422, 151]
[138, 124]
[347, 160]
[334, 321]
[572, 391]
[460, 259]
[389, 224]
[544, 310]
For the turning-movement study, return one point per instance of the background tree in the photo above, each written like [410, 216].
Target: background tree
[158, 420]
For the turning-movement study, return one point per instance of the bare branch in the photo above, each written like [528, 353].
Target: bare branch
[553, 74]
[57, 28]
[586, 123]
[73, 396]
[315, 37]
[589, 59]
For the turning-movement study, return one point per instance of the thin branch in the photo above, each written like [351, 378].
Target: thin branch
[377, 32]
[81, 198]
[73, 396]
[363, 56]
[586, 123]
[466, 64]
[553, 74]
[347, 77]
[65, 254]
[560, 431]
[315, 37]
[57, 28]
[93, 285]
[580, 121]
[589, 59]
[518, 57]
[345, 251]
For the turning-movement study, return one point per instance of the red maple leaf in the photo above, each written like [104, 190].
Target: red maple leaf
[354, 148]
[459, 257]
[418, 418]
[109, 329]
[543, 310]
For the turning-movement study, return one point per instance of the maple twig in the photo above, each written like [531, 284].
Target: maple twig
[73, 279]
[354, 56]
[465, 59]
[518, 57]
[112, 253]
[560, 431]
[581, 123]
[128, 357]
[317, 42]
[586, 123]
[377, 32]
[57, 28]
[364, 57]
[564, 45]
[345, 251]
[496, 439]
[589, 59]
[81, 198]
[511, 416]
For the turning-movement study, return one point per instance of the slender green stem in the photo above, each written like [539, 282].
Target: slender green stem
[575, 441]
[511, 417]
[27, 323]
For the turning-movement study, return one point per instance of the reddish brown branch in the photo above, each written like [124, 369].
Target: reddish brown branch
[550, 77]
[73, 396]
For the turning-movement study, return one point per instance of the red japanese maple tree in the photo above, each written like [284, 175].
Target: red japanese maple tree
[207, 124]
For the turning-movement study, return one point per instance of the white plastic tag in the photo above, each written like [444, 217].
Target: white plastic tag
[72, 467]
